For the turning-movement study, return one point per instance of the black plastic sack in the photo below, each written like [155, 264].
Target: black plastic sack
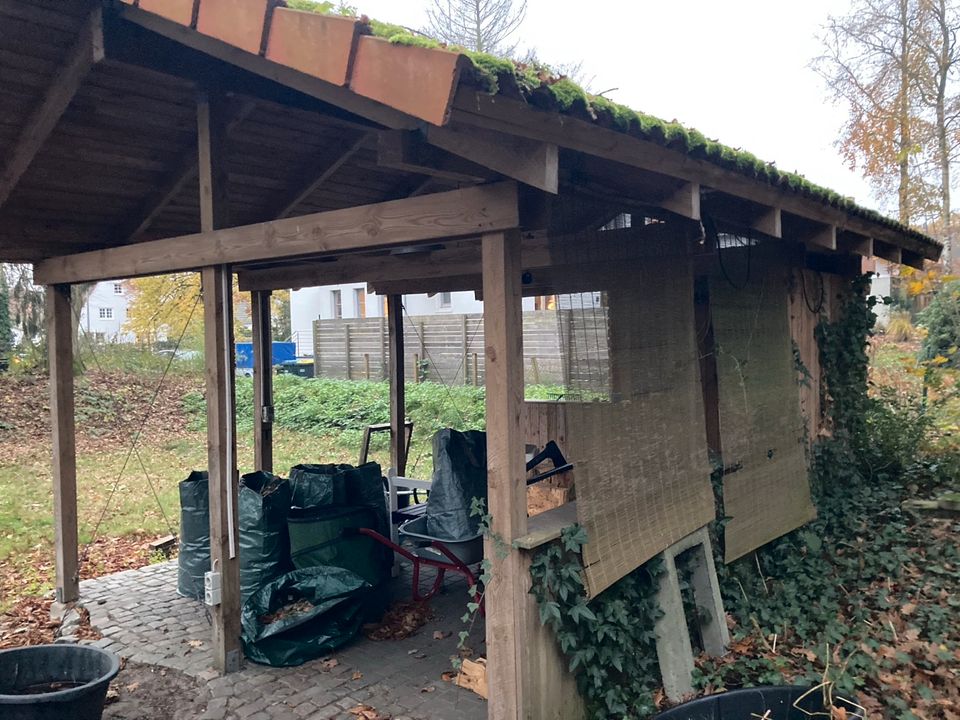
[459, 476]
[336, 599]
[264, 544]
[327, 536]
[194, 558]
[317, 485]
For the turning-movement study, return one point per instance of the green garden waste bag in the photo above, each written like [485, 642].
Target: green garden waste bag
[326, 536]
[315, 485]
[303, 615]
[194, 558]
[364, 486]
[264, 545]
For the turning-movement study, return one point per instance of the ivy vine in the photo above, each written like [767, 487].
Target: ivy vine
[610, 640]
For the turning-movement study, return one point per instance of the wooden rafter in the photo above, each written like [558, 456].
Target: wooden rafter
[184, 172]
[530, 161]
[319, 171]
[481, 110]
[459, 213]
[86, 52]
[307, 84]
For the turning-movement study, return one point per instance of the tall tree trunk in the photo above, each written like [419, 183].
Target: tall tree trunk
[942, 140]
[903, 101]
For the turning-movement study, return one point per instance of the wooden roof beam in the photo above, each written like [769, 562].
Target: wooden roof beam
[914, 260]
[327, 92]
[685, 202]
[407, 151]
[770, 223]
[86, 52]
[539, 251]
[888, 252]
[185, 171]
[854, 243]
[529, 160]
[459, 213]
[476, 108]
[319, 171]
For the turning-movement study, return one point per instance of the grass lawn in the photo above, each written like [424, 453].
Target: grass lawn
[26, 522]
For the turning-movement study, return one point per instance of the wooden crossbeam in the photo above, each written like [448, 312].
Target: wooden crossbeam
[184, 172]
[86, 52]
[320, 170]
[459, 259]
[458, 213]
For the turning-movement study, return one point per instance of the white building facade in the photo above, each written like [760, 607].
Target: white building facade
[104, 313]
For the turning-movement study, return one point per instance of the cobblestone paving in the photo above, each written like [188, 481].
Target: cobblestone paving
[142, 618]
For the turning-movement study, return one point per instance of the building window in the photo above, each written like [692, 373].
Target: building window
[118, 288]
[106, 313]
[360, 302]
[446, 301]
[336, 303]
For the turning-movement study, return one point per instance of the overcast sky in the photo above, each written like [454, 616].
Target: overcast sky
[735, 70]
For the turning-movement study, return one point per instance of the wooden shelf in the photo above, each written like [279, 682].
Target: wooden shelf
[546, 527]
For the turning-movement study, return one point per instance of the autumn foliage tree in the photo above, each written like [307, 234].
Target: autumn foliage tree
[894, 65]
[164, 307]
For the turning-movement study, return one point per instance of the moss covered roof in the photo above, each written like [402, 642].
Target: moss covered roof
[539, 87]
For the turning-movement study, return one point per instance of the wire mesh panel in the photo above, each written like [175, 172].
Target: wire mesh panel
[766, 489]
[635, 424]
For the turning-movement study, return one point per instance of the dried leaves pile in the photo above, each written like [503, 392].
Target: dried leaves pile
[402, 620]
[110, 406]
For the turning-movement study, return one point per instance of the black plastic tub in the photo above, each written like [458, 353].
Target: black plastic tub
[770, 702]
[55, 682]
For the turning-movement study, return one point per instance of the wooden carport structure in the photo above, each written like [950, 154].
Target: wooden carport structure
[238, 136]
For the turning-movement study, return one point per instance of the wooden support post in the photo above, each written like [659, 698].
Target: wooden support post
[60, 340]
[346, 349]
[220, 367]
[507, 603]
[262, 381]
[398, 410]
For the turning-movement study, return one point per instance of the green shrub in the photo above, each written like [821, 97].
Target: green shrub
[941, 318]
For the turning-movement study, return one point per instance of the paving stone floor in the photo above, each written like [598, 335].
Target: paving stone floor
[142, 618]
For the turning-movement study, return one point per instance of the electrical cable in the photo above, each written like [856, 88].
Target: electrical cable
[711, 232]
[803, 289]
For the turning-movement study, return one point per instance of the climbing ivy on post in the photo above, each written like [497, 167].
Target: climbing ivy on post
[610, 640]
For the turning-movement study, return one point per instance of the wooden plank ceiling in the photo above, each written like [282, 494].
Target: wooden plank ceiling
[120, 164]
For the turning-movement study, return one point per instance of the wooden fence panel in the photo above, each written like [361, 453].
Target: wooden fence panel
[449, 348]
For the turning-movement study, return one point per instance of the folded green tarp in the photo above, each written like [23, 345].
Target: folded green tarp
[194, 557]
[313, 612]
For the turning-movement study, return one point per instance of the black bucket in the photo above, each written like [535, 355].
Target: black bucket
[778, 702]
[30, 678]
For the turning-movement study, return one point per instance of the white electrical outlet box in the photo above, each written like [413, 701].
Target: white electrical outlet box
[211, 588]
